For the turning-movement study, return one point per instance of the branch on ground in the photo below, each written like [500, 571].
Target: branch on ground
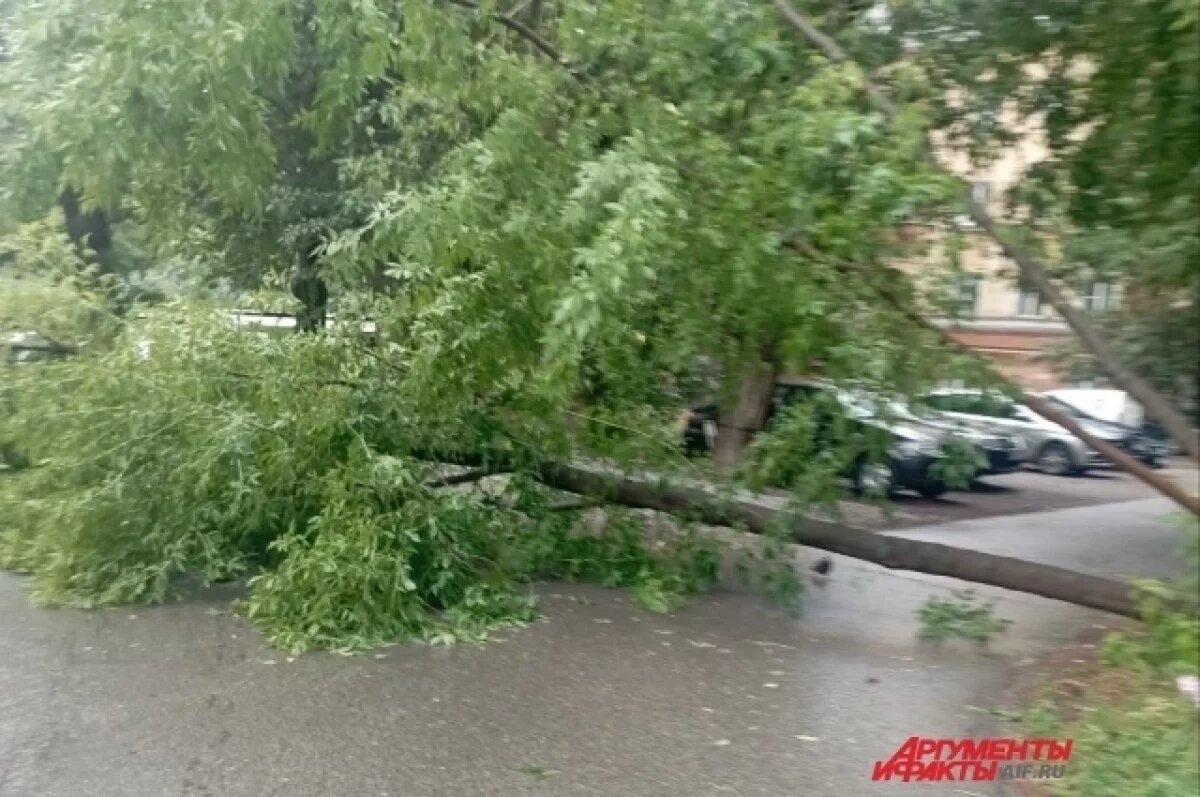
[466, 477]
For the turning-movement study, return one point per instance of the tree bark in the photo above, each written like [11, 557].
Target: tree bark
[894, 553]
[737, 427]
[1031, 268]
[89, 231]
[703, 503]
[310, 289]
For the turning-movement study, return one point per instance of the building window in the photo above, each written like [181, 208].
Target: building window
[1099, 297]
[965, 295]
[980, 193]
[1029, 301]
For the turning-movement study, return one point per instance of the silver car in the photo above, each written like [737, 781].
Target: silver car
[1048, 446]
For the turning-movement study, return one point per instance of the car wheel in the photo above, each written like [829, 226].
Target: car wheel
[932, 490]
[1055, 459]
[876, 479]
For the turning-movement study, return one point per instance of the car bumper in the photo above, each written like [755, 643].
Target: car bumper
[1001, 461]
[915, 473]
[1150, 454]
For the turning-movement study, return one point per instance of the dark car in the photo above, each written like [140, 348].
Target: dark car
[912, 453]
[1129, 439]
[1154, 431]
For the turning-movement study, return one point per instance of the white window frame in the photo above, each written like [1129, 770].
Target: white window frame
[1024, 297]
[975, 282]
[1090, 296]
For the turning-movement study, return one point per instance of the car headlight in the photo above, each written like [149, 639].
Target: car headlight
[916, 448]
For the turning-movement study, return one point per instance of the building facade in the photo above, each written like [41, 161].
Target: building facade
[994, 313]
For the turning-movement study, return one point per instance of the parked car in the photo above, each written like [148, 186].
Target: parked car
[1000, 450]
[1048, 446]
[914, 450]
[1053, 449]
[1116, 406]
[1130, 439]
[1103, 404]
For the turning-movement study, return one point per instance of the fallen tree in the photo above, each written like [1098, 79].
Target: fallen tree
[893, 553]
[738, 423]
[706, 504]
[556, 242]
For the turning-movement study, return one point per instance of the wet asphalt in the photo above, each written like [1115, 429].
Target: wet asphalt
[727, 696]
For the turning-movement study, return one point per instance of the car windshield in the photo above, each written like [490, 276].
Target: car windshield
[864, 405]
[991, 406]
[1069, 409]
[858, 405]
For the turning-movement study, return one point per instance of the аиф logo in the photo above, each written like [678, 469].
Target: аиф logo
[921, 759]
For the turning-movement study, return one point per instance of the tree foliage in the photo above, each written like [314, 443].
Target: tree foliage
[559, 240]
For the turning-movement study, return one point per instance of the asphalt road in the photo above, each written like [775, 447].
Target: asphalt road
[1017, 493]
[725, 697]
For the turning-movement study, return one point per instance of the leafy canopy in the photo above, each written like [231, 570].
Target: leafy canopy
[548, 244]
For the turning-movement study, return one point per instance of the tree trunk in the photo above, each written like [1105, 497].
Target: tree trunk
[1157, 407]
[90, 232]
[894, 553]
[737, 427]
[703, 503]
[310, 289]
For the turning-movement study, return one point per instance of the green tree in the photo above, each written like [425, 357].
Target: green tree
[566, 219]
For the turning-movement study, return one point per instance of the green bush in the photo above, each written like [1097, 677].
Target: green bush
[1143, 745]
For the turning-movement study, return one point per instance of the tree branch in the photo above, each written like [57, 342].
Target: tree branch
[473, 475]
[47, 344]
[1031, 268]
[529, 34]
[1156, 405]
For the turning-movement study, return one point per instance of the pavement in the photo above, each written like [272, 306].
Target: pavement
[1016, 493]
[727, 696]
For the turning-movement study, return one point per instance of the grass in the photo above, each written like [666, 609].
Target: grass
[1134, 735]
